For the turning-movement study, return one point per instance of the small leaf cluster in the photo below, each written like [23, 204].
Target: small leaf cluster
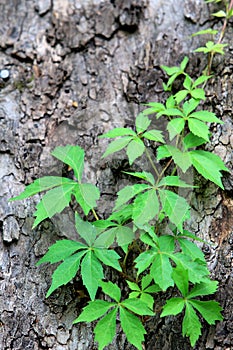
[167, 260]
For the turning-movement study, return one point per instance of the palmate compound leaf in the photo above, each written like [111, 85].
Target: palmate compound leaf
[60, 251]
[72, 156]
[208, 165]
[132, 327]
[105, 330]
[66, 271]
[42, 184]
[54, 201]
[92, 273]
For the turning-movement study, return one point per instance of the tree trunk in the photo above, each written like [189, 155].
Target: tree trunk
[78, 69]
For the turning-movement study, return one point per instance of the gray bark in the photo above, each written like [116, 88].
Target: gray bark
[78, 69]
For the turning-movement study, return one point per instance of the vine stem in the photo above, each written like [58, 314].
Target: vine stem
[151, 162]
[95, 215]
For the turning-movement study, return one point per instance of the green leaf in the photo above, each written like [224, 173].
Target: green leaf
[133, 286]
[166, 243]
[85, 229]
[208, 165]
[197, 270]
[173, 181]
[175, 127]
[199, 128]
[137, 306]
[175, 207]
[128, 192]
[191, 249]
[132, 327]
[170, 70]
[60, 251]
[206, 116]
[203, 288]
[198, 94]
[105, 329]
[173, 306]
[89, 195]
[112, 290]
[142, 123]
[180, 276]
[146, 281]
[148, 299]
[92, 273]
[205, 31]
[220, 13]
[192, 140]
[181, 95]
[65, 272]
[210, 310]
[145, 207]
[108, 257]
[201, 79]
[53, 202]
[94, 310]
[173, 112]
[190, 106]
[161, 271]
[124, 235]
[123, 214]
[184, 63]
[117, 145]
[154, 135]
[143, 175]
[182, 159]
[155, 108]
[42, 184]
[191, 326]
[135, 149]
[72, 156]
[118, 132]
[144, 260]
[187, 82]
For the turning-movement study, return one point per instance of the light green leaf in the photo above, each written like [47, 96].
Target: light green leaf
[206, 116]
[191, 249]
[134, 294]
[105, 329]
[205, 31]
[142, 123]
[184, 63]
[203, 288]
[155, 107]
[73, 156]
[106, 238]
[132, 327]
[187, 82]
[137, 306]
[145, 207]
[175, 207]
[60, 251]
[180, 95]
[175, 126]
[208, 165]
[173, 112]
[161, 271]
[133, 286]
[144, 260]
[170, 70]
[108, 257]
[180, 276]
[190, 106]
[118, 132]
[220, 13]
[124, 235]
[117, 145]
[146, 281]
[173, 181]
[92, 273]
[85, 229]
[192, 140]
[166, 243]
[128, 192]
[198, 94]
[148, 299]
[173, 306]
[191, 326]
[94, 310]
[42, 184]
[154, 135]
[199, 128]
[112, 290]
[53, 202]
[143, 175]
[153, 289]
[181, 159]
[201, 79]
[210, 310]
[65, 272]
[134, 150]
[86, 195]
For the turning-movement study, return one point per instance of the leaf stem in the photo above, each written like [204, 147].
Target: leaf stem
[95, 215]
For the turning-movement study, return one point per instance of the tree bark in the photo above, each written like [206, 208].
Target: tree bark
[78, 69]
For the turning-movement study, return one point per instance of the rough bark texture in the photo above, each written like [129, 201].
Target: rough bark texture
[77, 69]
